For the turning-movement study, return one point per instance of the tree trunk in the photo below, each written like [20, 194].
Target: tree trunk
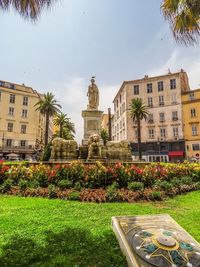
[139, 139]
[61, 130]
[46, 139]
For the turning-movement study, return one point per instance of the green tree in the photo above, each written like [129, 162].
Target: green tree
[49, 107]
[138, 112]
[67, 128]
[29, 9]
[104, 136]
[184, 19]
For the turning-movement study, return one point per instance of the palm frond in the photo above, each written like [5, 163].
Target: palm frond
[29, 9]
[184, 19]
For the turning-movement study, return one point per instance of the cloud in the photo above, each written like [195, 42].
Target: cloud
[182, 58]
[72, 95]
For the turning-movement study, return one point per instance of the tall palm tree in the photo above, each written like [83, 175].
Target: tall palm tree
[27, 8]
[138, 112]
[184, 18]
[49, 107]
[64, 123]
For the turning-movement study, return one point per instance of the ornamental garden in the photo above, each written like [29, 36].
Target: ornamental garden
[98, 182]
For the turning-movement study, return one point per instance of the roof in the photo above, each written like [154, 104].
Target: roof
[146, 78]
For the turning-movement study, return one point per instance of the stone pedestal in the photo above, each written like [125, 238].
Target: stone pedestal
[92, 124]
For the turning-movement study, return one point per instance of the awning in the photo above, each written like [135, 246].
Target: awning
[176, 153]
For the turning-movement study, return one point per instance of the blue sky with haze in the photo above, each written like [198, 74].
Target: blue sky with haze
[115, 40]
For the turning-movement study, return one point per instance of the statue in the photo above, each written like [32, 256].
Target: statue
[93, 95]
[94, 149]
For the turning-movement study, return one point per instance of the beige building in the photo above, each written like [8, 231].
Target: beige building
[21, 127]
[191, 118]
[162, 134]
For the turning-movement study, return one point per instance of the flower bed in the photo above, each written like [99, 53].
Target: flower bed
[100, 182]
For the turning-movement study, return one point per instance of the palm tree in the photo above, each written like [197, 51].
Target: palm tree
[64, 123]
[27, 8]
[49, 107]
[138, 112]
[184, 18]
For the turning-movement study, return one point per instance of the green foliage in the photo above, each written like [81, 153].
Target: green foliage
[104, 136]
[67, 128]
[52, 191]
[6, 185]
[23, 184]
[164, 185]
[135, 186]
[186, 180]
[77, 186]
[112, 193]
[74, 195]
[156, 195]
[47, 152]
[64, 184]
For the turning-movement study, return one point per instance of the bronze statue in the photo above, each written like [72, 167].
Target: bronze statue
[93, 95]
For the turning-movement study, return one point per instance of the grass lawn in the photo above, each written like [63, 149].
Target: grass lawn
[43, 232]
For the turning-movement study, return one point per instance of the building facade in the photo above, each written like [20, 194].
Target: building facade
[21, 126]
[162, 133]
[191, 118]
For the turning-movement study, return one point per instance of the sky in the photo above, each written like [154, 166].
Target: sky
[115, 40]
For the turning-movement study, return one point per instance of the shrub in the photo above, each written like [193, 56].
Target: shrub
[52, 191]
[47, 152]
[23, 184]
[7, 185]
[112, 193]
[78, 186]
[186, 180]
[156, 195]
[176, 182]
[164, 185]
[135, 186]
[74, 195]
[64, 184]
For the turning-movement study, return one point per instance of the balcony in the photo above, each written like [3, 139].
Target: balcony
[17, 149]
[175, 118]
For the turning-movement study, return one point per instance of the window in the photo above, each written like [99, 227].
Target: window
[9, 142]
[12, 98]
[117, 103]
[175, 131]
[23, 128]
[191, 96]
[162, 117]
[136, 90]
[24, 113]
[150, 118]
[174, 115]
[173, 98]
[0, 96]
[11, 111]
[162, 132]
[123, 107]
[150, 101]
[173, 84]
[25, 101]
[195, 147]
[160, 86]
[11, 86]
[22, 143]
[194, 130]
[151, 133]
[193, 112]
[120, 99]
[149, 88]
[10, 127]
[161, 100]
[2, 84]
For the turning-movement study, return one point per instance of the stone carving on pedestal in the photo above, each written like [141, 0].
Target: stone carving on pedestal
[63, 149]
[92, 116]
[94, 147]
